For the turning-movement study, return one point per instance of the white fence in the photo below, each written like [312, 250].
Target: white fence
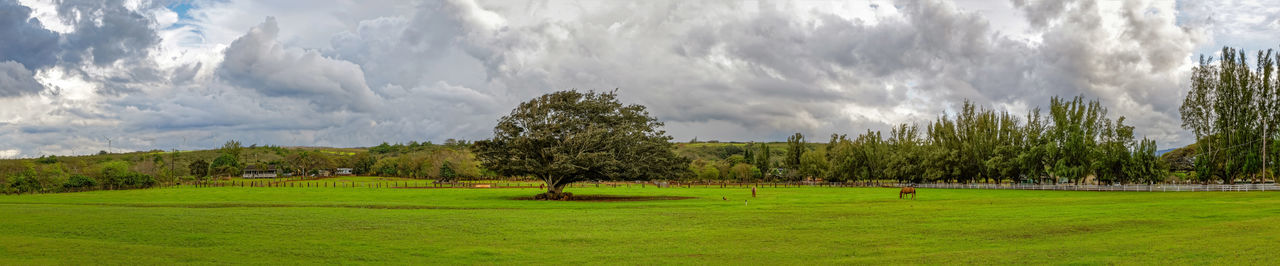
[1152, 188]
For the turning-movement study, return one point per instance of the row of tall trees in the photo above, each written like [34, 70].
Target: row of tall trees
[1074, 143]
[1233, 110]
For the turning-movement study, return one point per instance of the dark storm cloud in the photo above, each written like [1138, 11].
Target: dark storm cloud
[105, 31]
[773, 72]
[768, 70]
[16, 80]
[25, 40]
[1139, 72]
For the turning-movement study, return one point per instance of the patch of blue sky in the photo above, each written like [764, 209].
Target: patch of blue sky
[183, 8]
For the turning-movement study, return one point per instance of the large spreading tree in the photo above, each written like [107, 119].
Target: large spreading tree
[570, 136]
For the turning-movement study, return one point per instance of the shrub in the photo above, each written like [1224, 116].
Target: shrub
[116, 175]
[79, 182]
[140, 180]
[23, 184]
[131, 180]
[225, 165]
[744, 172]
[385, 167]
[709, 172]
[363, 163]
[47, 160]
[383, 148]
[446, 172]
[199, 168]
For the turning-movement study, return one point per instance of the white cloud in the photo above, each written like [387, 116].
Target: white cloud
[259, 62]
[363, 72]
[10, 153]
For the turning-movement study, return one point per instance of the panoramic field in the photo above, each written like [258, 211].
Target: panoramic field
[781, 226]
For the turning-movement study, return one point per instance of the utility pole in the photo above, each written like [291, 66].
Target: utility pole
[173, 159]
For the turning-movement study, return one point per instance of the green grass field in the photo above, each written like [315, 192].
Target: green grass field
[782, 226]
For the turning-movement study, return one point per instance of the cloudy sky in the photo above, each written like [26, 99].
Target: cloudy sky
[193, 74]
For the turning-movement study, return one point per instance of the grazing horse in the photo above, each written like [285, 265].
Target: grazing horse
[907, 190]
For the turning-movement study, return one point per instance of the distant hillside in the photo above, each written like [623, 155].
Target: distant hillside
[1179, 159]
[719, 151]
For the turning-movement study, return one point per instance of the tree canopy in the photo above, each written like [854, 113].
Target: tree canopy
[1233, 111]
[570, 136]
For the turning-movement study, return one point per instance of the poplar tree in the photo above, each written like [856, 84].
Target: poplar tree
[1074, 135]
[795, 149]
[762, 160]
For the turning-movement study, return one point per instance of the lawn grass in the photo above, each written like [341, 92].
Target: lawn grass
[783, 226]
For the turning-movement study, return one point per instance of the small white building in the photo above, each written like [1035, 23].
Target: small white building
[255, 171]
[343, 171]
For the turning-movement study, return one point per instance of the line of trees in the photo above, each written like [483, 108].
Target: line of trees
[1233, 110]
[1075, 142]
[444, 162]
[54, 176]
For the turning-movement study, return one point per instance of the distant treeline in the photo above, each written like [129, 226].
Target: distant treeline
[1074, 142]
[443, 162]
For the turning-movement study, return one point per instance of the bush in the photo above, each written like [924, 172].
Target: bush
[386, 167]
[383, 148]
[79, 182]
[744, 172]
[23, 184]
[116, 175]
[140, 180]
[724, 152]
[47, 160]
[446, 172]
[199, 168]
[363, 163]
[225, 165]
[131, 180]
[709, 172]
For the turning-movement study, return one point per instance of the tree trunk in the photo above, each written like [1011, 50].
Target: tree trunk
[555, 190]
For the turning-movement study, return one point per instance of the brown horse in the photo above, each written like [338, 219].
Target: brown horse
[907, 190]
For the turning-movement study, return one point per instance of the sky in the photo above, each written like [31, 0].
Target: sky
[80, 76]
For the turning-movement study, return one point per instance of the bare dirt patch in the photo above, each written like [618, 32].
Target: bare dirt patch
[614, 198]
